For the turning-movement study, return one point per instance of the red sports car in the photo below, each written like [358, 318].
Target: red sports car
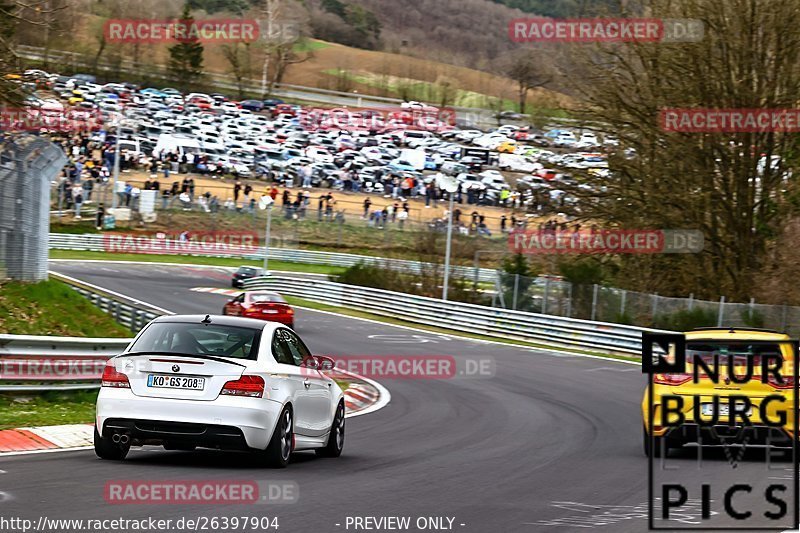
[263, 305]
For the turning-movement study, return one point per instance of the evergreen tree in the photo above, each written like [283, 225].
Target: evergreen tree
[186, 57]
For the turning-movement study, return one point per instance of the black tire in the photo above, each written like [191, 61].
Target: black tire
[658, 445]
[280, 446]
[336, 437]
[106, 449]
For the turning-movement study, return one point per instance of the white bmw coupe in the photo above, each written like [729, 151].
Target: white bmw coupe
[222, 382]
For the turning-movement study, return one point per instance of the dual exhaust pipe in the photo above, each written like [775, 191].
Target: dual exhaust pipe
[123, 439]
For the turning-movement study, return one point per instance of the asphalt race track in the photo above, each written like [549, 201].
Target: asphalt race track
[551, 442]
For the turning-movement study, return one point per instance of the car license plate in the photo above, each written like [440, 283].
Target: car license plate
[175, 382]
[707, 409]
[269, 311]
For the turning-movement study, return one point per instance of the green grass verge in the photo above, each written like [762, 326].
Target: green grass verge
[195, 260]
[47, 409]
[302, 302]
[309, 45]
[52, 308]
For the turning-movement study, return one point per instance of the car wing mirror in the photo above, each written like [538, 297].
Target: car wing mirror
[318, 362]
[325, 363]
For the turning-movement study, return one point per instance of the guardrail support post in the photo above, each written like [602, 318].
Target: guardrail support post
[595, 290]
[546, 295]
[134, 320]
[622, 303]
[516, 288]
[569, 301]
[655, 306]
[783, 317]
[721, 312]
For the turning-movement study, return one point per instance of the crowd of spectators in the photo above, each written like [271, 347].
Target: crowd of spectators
[91, 163]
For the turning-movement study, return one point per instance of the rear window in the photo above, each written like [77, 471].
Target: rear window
[266, 298]
[247, 270]
[181, 338]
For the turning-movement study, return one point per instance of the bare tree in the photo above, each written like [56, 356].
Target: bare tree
[13, 13]
[281, 30]
[238, 57]
[530, 70]
[719, 183]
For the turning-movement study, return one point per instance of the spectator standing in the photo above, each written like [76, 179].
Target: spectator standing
[402, 216]
[99, 217]
[77, 200]
[87, 189]
[329, 203]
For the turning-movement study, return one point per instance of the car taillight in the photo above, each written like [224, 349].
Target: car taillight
[671, 379]
[112, 378]
[787, 382]
[251, 386]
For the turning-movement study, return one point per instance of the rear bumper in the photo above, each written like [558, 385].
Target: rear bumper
[177, 433]
[286, 320]
[230, 422]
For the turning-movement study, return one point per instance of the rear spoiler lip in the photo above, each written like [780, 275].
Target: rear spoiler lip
[171, 354]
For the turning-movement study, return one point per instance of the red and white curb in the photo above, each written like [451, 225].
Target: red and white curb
[212, 290]
[362, 396]
[38, 439]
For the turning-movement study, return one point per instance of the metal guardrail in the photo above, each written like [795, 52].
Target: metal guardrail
[44, 363]
[97, 243]
[535, 328]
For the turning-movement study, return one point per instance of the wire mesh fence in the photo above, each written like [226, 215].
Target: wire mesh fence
[609, 304]
[28, 164]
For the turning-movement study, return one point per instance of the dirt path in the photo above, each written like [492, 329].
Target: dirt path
[351, 203]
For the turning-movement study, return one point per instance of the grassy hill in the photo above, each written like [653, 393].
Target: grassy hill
[398, 70]
[52, 308]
